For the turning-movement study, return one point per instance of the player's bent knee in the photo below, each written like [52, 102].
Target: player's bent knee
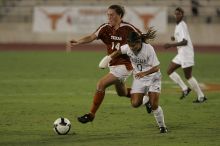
[135, 104]
[121, 94]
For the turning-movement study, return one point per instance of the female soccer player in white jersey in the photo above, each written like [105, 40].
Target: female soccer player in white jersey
[147, 76]
[184, 58]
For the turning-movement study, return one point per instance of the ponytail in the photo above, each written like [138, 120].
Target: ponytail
[150, 35]
[146, 37]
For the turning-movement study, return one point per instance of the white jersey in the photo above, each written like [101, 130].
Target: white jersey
[185, 52]
[144, 60]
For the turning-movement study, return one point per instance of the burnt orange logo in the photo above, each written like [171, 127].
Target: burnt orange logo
[146, 18]
[54, 17]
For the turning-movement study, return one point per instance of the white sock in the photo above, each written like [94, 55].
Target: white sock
[177, 79]
[195, 86]
[145, 99]
[158, 114]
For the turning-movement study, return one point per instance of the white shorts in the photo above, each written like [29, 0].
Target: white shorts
[120, 71]
[183, 62]
[147, 84]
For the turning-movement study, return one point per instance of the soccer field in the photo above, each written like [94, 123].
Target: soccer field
[38, 87]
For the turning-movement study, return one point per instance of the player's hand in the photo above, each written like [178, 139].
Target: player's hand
[172, 38]
[70, 44]
[140, 75]
[73, 42]
[166, 46]
[104, 62]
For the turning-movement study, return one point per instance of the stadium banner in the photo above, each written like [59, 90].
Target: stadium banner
[86, 19]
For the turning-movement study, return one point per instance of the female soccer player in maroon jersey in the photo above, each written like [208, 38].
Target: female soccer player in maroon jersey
[113, 34]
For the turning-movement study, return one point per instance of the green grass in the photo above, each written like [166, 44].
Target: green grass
[38, 87]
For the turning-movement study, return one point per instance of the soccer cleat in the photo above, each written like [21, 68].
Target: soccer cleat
[163, 130]
[185, 93]
[86, 118]
[200, 101]
[148, 107]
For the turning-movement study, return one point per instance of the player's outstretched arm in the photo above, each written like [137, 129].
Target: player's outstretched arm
[169, 45]
[84, 40]
[105, 61]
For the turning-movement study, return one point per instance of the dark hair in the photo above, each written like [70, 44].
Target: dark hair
[180, 10]
[135, 36]
[118, 9]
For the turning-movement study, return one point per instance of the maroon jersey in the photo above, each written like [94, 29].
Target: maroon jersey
[114, 39]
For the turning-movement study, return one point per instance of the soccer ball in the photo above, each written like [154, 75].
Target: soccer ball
[61, 126]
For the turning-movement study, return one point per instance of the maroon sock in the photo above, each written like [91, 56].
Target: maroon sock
[97, 100]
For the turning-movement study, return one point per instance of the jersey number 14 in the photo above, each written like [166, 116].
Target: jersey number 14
[115, 45]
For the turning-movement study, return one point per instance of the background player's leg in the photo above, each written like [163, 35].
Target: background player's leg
[193, 83]
[175, 77]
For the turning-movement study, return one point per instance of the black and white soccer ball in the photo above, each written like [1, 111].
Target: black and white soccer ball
[61, 126]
